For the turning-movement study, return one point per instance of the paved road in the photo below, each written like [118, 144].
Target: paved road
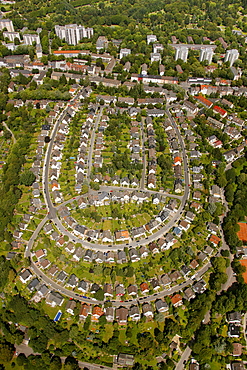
[158, 234]
[90, 153]
[52, 215]
[184, 358]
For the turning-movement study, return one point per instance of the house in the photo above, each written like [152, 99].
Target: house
[215, 191]
[197, 195]
[234, 317]
[144, 288]
[202, 256]
[40, 253]
[121, 257]
[134, 255]
[122, 235]
[120, 290]
[175, 275]
[124, 181]
[33, 284]
[196, 206]
[132, 290]
[85, 310]
[165, 280]
[107, 236]
[122, 315]
[229, 155]
[153, 247]
[100, 257]
[194, 264]
[177, 300]
[237, 349]
[108, 291]
[94, 288]
[53, 270]
[97, 312]
[208, 250]
[82, 286]
[72, 281]
[55, 236]
[190, 216]
[233, 331]
[44, 263]
[189, 294]
[214, 240]
[238, 365]
[143, 252]
[138, 231]
[161, 306]
[222, 112]
[163, 216]
[70, 306]
[199, 287]
[147, 310]
[25, 276]
[134, 313]
[185, 270]
[61, 276]
[88, 255]
[155, 284]
[54, 299]
[109, 314]
[126, 360]
[70, 248]
[79, 252]
[184, 225]
[42, 290]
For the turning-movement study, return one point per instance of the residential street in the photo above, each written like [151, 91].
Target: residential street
[184, 358]
[91, 147]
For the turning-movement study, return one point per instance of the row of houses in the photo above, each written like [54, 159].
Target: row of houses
[122, 235]
[82, 156]
[152, 160]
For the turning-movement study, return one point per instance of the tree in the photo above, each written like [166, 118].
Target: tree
[27, 178]
[99, 295]
[6, 352]
[56, 363]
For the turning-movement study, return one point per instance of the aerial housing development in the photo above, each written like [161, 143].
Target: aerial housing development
[123, 168]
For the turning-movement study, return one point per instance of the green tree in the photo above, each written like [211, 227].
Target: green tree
[6, 352]
[27, 178]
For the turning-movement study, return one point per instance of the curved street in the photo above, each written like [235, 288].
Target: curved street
[52, 215]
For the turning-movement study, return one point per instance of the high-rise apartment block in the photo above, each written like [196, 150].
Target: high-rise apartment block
[206, 54]
[124, 53]
[231, 56]
[6, 23]
[29, 38]
[151, 38]
[181, 53]
[11, 35]
[72, 33]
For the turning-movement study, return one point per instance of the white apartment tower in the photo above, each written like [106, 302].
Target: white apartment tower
[11, 35]
[206, 54]
[29, 38]
[8, 24]
[124, 53]
[72, 33]
[182, 53]
[151, 38]
[231, 56]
